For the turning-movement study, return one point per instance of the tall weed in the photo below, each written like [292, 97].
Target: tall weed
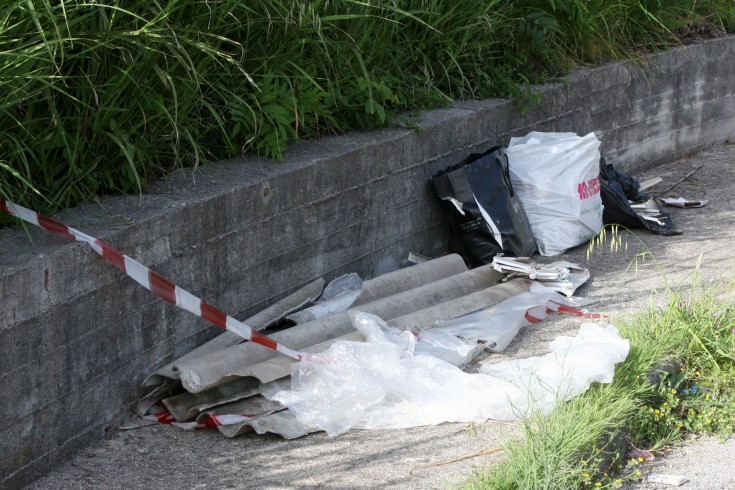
[101, 96]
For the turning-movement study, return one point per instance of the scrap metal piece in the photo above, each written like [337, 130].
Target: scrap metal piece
[649, 183]
[678, 182]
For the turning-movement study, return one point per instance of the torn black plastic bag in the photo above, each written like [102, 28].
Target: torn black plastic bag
[485, 216]
[617, 191]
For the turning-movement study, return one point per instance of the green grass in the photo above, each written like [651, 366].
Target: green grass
[100, 96]
[585, 443]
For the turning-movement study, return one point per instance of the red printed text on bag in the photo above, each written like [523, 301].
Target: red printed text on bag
[589, 188]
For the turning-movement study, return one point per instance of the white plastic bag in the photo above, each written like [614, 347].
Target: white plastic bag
[556, 177]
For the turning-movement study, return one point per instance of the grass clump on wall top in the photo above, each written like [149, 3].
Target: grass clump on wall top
[99, 96]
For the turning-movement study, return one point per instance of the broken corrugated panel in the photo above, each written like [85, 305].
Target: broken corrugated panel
[186, 406]
[259, 321]
[219, 384]
[383, 286]
[167, 377]
[279, 367]
[283, 423]
[453, 308]
[217, 368]
[411, 278]
[339, 295]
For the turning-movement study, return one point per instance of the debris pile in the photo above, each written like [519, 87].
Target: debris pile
[561, 276]
[389, 352]
[360, 371]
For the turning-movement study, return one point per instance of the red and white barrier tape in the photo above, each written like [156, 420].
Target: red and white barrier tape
[155, 283]
[159, 413]
[535, 315]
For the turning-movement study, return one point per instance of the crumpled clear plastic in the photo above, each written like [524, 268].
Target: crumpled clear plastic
[442, 345]
[573, 364]
[337, 296]
[384, 384]
[497, 326]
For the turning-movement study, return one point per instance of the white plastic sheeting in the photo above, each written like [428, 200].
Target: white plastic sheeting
[573, 364]
[497, 326]
[385, 383]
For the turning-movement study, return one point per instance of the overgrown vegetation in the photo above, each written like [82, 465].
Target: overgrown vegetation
[679, 379]
[98, 96]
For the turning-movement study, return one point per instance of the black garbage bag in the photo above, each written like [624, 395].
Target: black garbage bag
[485, 216]
[617, 191]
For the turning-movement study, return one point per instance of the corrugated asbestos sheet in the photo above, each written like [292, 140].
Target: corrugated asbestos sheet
[220, 383]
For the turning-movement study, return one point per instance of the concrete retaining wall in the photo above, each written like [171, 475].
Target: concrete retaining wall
[77, 338]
